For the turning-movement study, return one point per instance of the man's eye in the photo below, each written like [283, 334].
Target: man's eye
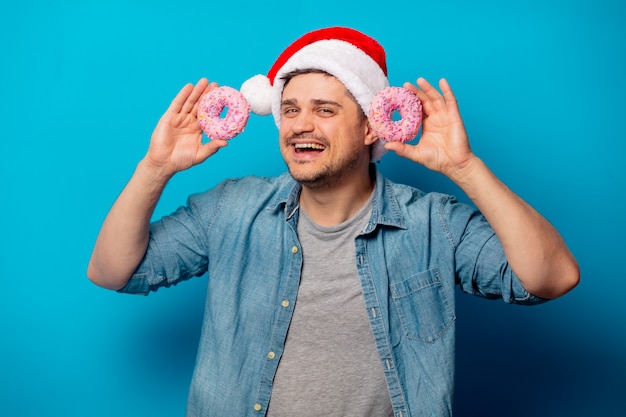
[289, 111]
[326, 111]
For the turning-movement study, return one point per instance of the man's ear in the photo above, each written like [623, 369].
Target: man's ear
[370, 135]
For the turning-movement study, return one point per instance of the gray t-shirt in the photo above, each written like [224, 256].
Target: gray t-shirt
[330, 366]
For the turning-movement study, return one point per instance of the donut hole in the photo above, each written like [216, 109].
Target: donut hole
[224, 112]
[396, 116]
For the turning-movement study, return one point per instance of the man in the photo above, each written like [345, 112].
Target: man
[330, 288]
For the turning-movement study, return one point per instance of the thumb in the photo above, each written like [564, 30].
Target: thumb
[406, 151]
[210, 148]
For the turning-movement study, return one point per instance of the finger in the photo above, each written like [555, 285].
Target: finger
[195, 95]
[405, 150]
[208, 88]
[177, 104]
[210, 148]
[433, 96]
[448, 95]
[427, 106]
[411, 87]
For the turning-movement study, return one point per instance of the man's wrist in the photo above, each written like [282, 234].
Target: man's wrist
[465, 175]
[153, 175]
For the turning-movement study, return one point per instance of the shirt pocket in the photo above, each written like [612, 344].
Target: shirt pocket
[424, 309]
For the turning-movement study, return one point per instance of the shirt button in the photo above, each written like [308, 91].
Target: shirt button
[257, 407]
[294, 250]
[285, 303]
[271, 355]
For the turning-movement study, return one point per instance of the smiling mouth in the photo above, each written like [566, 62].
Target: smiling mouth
[308, 147]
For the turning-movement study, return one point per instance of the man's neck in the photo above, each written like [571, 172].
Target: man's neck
[337, 203]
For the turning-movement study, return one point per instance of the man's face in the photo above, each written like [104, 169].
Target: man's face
[324, 137]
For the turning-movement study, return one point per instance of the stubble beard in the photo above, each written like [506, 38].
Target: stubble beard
[327, 175]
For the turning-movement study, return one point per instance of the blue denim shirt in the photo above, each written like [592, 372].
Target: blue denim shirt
[413, 252]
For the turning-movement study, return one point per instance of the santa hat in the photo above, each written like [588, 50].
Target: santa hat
[355, 59]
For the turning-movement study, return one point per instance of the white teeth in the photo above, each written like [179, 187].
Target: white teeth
[309, 146]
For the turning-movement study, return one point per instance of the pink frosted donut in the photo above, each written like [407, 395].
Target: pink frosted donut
[408, 106]
[210, 109]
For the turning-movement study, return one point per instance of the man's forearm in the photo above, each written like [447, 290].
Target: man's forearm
[123, 238]
[533, 247]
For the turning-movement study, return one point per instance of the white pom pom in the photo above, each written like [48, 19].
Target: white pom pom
[258, 91]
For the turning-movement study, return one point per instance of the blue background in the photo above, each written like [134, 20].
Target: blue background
[541, 88]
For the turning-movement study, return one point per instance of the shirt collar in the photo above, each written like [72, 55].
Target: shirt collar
[385, 208]
[287, 195]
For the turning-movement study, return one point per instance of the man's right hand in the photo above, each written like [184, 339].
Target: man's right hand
[176, 142]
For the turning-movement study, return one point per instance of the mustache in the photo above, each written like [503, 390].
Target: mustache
[317, 138]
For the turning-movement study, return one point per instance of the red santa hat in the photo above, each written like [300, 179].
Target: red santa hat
[355, 59]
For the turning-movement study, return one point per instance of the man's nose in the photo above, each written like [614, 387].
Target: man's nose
[302, 123]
